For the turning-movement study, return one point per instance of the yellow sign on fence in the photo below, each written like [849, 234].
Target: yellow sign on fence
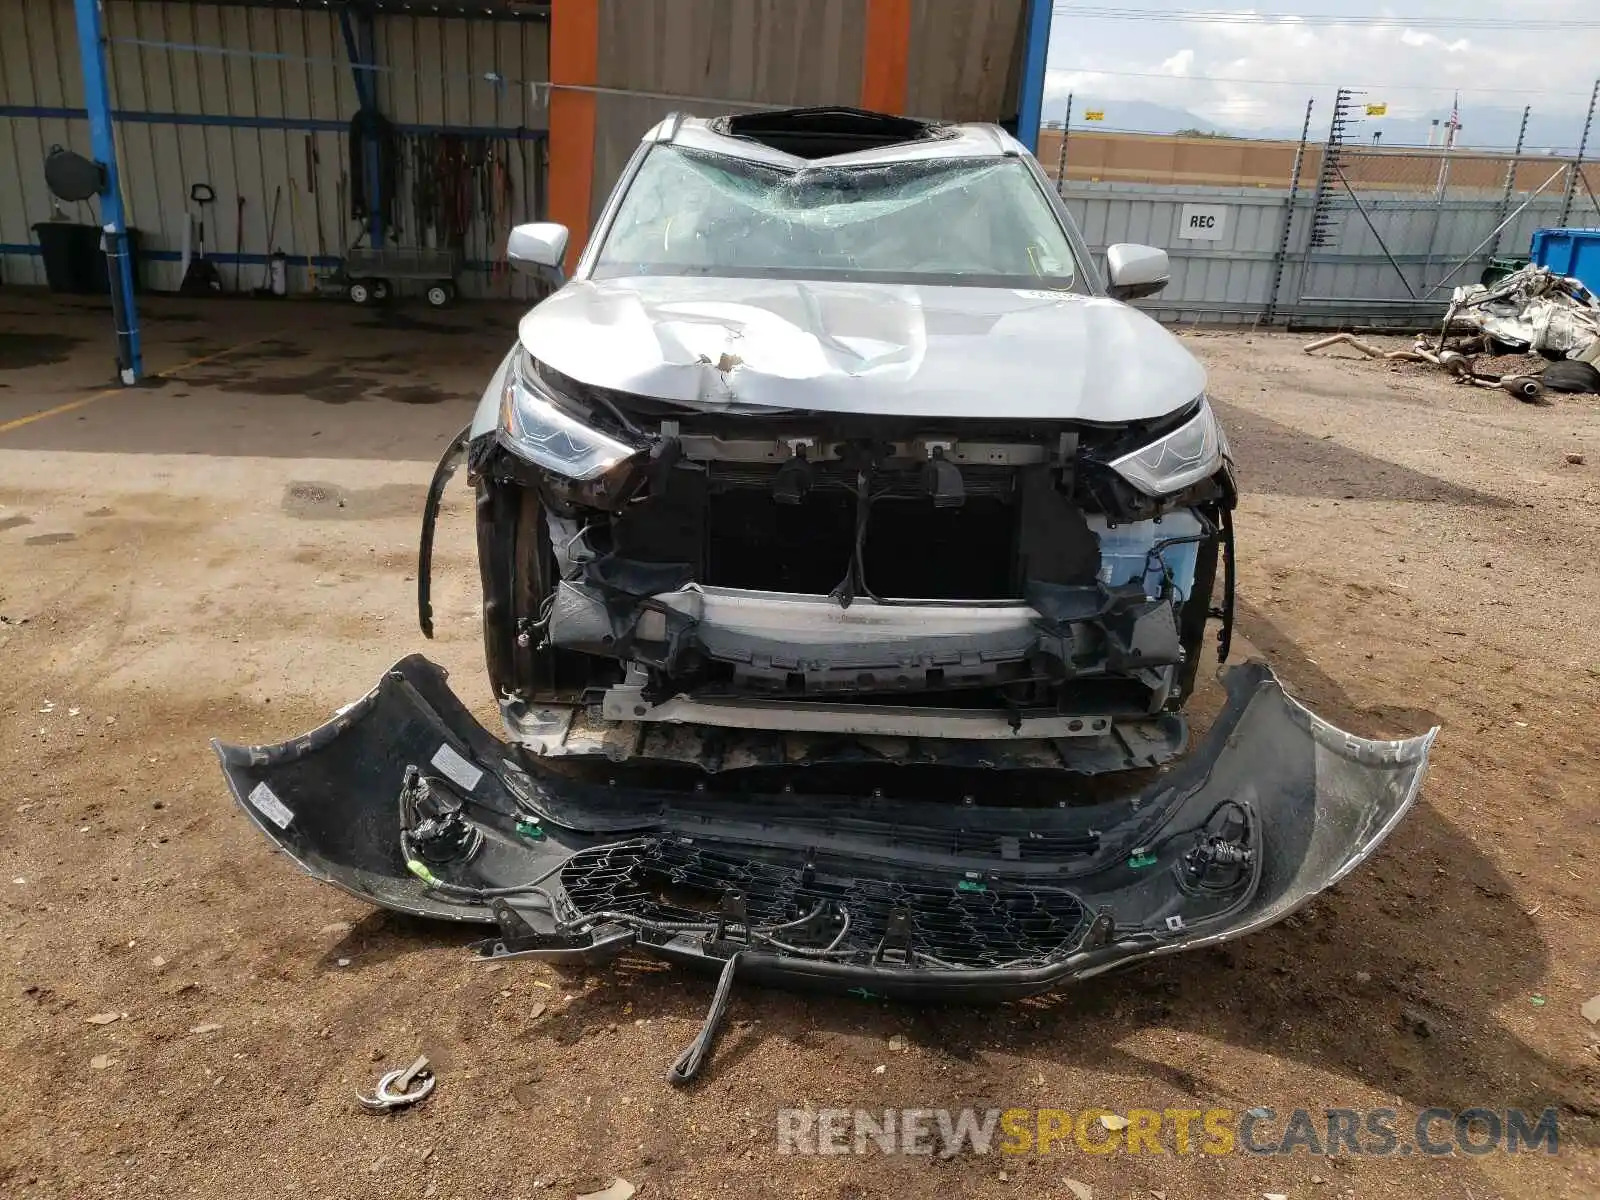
[1095, 114]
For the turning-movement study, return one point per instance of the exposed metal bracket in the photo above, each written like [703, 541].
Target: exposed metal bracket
[1100, 929]
[624, 703]
[895, 945]
[732, 911]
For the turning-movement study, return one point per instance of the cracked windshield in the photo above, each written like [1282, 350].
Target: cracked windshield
[981, 222]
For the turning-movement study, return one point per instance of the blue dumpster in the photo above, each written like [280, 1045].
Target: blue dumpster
[1574, 252]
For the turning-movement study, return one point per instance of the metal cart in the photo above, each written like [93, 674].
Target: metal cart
[368, 273]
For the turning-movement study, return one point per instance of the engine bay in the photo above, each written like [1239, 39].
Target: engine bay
[1003, 570]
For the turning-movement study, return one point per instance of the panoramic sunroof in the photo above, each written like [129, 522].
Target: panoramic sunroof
[824, 132]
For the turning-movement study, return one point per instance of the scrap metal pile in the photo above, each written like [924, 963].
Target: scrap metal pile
[1532, 311]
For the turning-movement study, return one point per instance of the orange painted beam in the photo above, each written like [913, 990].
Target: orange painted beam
[888, 55]
[574, 59]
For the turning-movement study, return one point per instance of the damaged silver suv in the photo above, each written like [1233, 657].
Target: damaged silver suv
[834, 431]
[834, 521]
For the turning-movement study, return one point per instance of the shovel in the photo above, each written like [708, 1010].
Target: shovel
[202, 277]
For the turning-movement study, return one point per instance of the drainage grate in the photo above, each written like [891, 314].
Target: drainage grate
[971, 924]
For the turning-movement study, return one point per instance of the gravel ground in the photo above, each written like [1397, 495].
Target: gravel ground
[232, 553]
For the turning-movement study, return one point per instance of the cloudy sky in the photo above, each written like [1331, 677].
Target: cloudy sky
[1414, 67]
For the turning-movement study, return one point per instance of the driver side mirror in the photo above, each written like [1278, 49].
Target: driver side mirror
[1136, 271]
[537, 247]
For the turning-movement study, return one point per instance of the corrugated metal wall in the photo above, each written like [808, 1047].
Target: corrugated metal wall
[38, 68]
[966, 59]
[1236, 270]
[437, 80]
[267, 115]
[270, 113]
[705, 57]
[1231, 279]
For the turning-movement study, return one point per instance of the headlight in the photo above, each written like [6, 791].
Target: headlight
[541, 432]
[1190, 453]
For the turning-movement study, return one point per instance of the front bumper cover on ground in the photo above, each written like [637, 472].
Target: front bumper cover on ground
[896, 896]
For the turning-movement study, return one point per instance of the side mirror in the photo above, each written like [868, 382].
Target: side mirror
[1136, 270]
[538, 246]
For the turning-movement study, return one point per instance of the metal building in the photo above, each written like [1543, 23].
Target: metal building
[254, 102]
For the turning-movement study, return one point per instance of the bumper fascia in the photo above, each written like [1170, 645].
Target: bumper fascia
[1320, 801]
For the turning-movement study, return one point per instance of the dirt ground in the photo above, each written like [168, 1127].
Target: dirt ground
[232, 553]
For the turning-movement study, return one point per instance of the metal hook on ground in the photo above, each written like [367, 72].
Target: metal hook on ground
[395, 1090]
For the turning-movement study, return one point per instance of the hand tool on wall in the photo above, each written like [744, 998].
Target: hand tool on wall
[313, 169]
[300, 232]
[343, 212]
[272, 233]
[238, 246]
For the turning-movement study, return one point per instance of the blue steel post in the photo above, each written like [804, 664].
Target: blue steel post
[360, 45]
[369, 57]
[1035, 52]
[97, 100]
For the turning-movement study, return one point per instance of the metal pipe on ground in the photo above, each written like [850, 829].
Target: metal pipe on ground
[1526, 388]
[1367, 348]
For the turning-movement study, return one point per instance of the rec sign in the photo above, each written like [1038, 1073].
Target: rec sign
[1203, 222]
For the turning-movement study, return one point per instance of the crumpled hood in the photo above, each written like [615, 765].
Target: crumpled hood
[893, 349]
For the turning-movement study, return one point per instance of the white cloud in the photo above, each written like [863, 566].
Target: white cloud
[1179, 63]
[1415, 71]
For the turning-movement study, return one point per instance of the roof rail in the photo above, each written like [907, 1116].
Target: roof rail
[669, 126]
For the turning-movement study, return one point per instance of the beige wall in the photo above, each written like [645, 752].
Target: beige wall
[1238, 162]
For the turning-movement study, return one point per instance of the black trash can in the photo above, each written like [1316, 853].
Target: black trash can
[74, 264]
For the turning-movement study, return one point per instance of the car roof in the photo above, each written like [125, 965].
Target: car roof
[830, 136]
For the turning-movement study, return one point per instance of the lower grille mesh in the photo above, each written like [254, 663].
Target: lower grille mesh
[965, 924]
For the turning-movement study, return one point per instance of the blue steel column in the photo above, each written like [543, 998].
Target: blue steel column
[97, 100]
[1035, 52]
[360, 45]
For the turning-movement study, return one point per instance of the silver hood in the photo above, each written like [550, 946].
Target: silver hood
[892, 349]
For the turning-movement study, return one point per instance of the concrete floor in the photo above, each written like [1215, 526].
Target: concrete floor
[246, 377]
[232, 551]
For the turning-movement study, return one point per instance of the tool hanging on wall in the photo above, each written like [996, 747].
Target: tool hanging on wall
[300, 233]
[449, 196]
[459, 194]
[313, 169]
[272, 232]
[502, 200]
[341, 211]
[202, 277]
[238, 246]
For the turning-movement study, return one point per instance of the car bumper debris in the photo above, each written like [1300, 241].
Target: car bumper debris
[406, 801]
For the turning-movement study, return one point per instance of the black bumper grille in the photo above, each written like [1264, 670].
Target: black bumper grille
[965, 923]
